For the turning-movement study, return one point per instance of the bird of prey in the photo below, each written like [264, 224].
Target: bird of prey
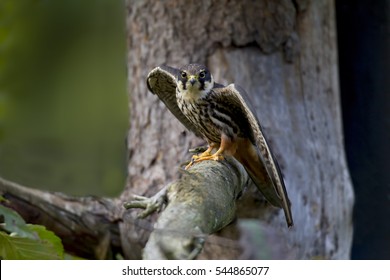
[220, 115]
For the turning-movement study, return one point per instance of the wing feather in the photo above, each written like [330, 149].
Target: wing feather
[278, 196]
[161, 81]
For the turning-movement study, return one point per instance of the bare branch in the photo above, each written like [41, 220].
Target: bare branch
[87, 225]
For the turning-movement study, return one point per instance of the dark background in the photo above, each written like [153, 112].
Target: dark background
[363, 38]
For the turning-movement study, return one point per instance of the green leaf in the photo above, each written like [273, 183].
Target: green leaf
[27, 241]
[15, 224]
[21, 248]
[49, 237]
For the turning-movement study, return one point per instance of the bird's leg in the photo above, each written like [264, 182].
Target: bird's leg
[226, 143]
[199, 157]
[207, 152]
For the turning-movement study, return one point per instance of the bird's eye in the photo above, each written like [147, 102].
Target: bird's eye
[183, 75]
[202, 74]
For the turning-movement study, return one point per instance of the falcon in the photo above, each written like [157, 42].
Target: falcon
[220, 115]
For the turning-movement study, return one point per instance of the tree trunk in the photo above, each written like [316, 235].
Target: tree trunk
[284, 54]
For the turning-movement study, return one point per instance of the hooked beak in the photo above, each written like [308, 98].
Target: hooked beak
[192, 80]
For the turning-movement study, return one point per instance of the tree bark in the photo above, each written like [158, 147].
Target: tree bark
[283, 53]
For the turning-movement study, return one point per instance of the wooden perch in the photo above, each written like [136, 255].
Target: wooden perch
[201, 202]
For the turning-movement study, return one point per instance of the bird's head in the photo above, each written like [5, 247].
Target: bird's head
[194, 81]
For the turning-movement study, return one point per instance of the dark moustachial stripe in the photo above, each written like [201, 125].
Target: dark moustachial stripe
[202, 85]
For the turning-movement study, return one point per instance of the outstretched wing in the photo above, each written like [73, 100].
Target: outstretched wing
[162, 82]
[261, 157]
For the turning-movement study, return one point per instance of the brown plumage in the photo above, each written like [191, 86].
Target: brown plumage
[220, 115]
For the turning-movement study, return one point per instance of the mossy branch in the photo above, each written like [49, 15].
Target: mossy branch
[201, 202]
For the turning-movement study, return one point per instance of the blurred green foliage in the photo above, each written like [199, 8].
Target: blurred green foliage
[63, 102]
[21, 241]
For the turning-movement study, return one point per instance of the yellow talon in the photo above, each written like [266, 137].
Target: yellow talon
[204, 154]
[217, 156]
[189, 165]
[210, 157]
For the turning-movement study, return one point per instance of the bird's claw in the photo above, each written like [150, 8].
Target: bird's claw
[202, 157]
[190, 164]
[215, 157]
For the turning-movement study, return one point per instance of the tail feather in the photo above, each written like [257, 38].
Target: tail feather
[272, 188]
